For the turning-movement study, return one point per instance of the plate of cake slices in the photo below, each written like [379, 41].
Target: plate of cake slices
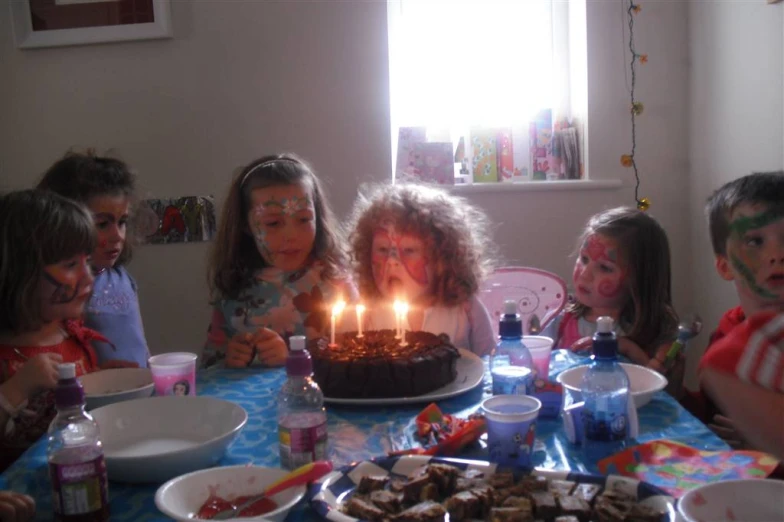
[378, 369]
[428, 489]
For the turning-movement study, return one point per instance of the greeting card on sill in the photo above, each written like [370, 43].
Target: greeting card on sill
[407, 137]
[484, 155]
[433, 162]
[505, 154]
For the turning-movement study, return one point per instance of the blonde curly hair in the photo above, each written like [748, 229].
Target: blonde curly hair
[452, 229]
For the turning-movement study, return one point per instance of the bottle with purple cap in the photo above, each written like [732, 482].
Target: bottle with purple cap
[75, 455]
[302, 420]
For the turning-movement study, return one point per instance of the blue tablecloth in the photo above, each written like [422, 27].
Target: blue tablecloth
[356, 433]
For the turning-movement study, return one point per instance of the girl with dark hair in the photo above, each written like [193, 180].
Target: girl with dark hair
[277, 264]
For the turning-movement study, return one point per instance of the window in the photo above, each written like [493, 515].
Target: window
[492, 78]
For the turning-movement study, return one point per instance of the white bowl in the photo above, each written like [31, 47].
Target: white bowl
[749, 500]
[157, 438]
[643, 382]
[181, 497]
[118, 384]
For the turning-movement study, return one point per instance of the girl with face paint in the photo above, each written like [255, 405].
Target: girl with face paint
[430, 249]
[106, 187]
[622, 271]
[45, 282]
[277, 264]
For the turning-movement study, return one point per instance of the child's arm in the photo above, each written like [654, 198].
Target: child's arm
[481, 338]
[16, 507]
[756, 412]
[217, 341]
[38, 374]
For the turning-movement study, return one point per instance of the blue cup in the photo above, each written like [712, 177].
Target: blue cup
[511, 428]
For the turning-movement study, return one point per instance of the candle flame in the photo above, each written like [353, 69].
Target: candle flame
[337, 308]
[361, 308]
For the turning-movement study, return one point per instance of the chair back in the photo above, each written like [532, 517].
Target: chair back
[540, 295]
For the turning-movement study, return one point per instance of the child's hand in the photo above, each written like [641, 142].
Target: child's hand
[725, 429]
[15, 507]
[270, 347]
[582, 345]
[240, 351]
[118, 363]
[39, 374]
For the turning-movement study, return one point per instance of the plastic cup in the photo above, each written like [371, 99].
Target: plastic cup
[540, 348]
[174, 373]
[511, 428]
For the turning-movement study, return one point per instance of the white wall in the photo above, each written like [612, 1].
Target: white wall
[736, 125]
[241, 79]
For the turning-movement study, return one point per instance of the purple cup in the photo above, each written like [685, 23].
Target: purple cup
[511, 428]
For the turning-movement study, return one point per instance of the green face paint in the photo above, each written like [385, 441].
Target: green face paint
[748, 276]
[743, 224]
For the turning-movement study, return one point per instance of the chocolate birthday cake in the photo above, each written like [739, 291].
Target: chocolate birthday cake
[376, 365]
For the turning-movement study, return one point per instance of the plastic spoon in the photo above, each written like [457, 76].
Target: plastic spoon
[301, 475]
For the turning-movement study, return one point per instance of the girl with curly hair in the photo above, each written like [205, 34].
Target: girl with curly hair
[277, 264]
[430, 249]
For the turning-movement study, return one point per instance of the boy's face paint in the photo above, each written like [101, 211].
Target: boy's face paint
[599, 279]
[401, 267]
[65, 288]
[282, 220]
[755, 252]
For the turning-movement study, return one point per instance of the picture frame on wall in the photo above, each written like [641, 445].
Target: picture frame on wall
[54, 23]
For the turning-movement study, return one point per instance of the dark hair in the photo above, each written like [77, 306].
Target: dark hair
[760, 188]
[452, 229]
[234, 255]
[37, 228]
[184, 383]
[82, 176]
[645, 251]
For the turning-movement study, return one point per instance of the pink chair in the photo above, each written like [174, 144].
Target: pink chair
[540, 295]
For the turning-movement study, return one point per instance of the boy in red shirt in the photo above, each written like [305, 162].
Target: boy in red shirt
[742, 371]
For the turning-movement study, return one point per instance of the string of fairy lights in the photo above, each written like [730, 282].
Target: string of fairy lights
[636, 108]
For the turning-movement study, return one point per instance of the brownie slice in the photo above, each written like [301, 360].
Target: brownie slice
[363, 510]
[371, 483]
[608, 511]
[533, 483]
[444, 476]
[386, 500]
[423, 512]
[561, 488]
[429, 492]
[566, 518]
[544, 505]
[510, 514]
[413, 488]
[462, 506]
[575, 507]
[503, 479]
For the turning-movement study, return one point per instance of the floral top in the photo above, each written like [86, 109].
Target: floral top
[567, 328]
[293, 303]
[34, 418]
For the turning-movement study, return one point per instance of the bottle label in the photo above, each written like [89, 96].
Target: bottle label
[300, 446]
[79, 489]
[605, 426]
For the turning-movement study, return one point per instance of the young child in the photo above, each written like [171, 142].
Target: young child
[106, 187]
[430, 249]
[742, 369]
[276, 265]
[622, 271]
[45, 283]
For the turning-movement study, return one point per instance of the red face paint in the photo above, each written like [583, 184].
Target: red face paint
[399, 263]
[599, 280]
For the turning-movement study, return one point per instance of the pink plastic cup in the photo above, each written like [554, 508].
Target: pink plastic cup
[540, 348]
[174, 373]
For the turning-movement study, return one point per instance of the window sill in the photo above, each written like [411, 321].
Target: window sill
[537, 186]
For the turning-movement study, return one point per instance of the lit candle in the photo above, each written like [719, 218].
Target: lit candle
[396, 308]
[403, 319]
[336, 309]
[360, 311]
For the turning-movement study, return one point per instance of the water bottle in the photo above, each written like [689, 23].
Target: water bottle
[511, 365]
[605, 391]
[302, 420]
[76, 464]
